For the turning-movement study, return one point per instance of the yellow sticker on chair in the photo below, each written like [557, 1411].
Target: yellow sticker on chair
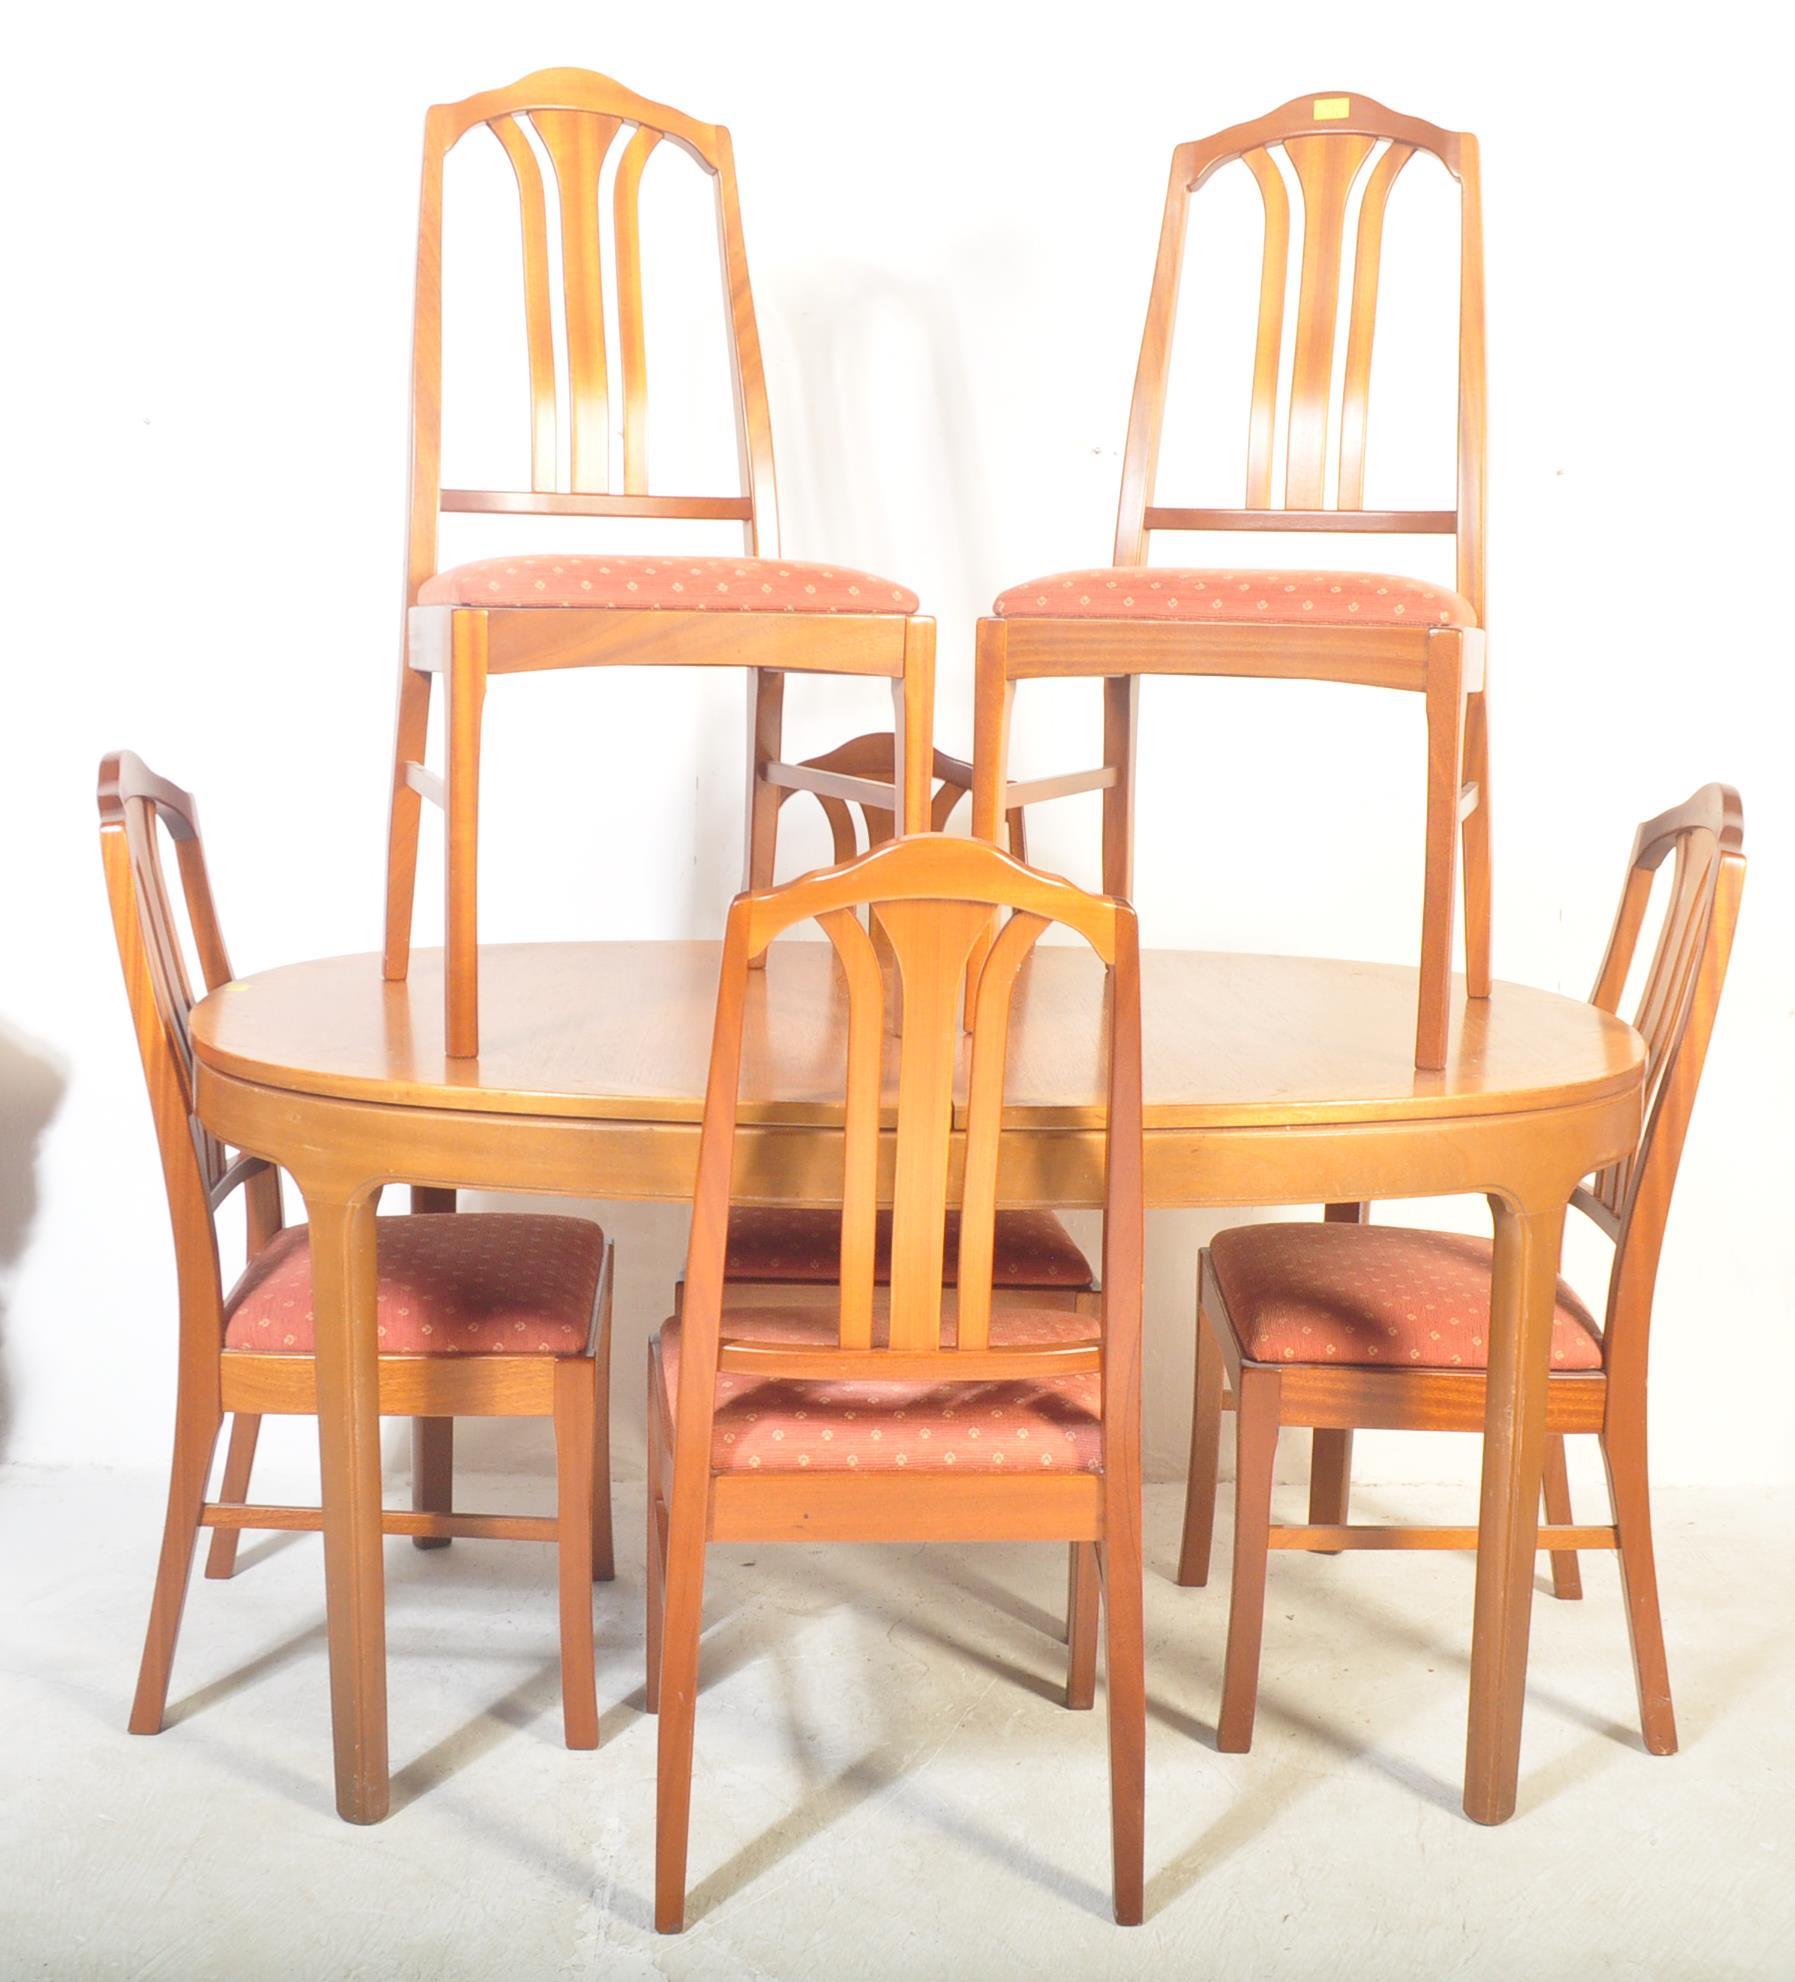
[1330, 109]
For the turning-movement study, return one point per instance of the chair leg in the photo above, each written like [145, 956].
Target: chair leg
[1121, 701]
[1567, 1577]
[239, 1457]
[681, 1622]
[404, 817]
[1476, 839]
[1445, 702]
[461, 865]
[432, 1439]
[913, 728]
[1125, 1682]
[432, 1473]
[1330, 1479]
[1330, 1454]
[604, 1558]
[604, 1554]
[993, 701]
[197, 1420]
[1081, 1625]
[1624, 1455]
[1205, 1442]
[656, 1552]
[766, 726]
[1256, 1429]
[994, 696]
[574, 1424]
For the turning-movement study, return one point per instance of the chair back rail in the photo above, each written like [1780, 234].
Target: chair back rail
[578, 120]
[137, 808]
[1325, 144]
[1703, 840]
[872, 760]
[931, 897]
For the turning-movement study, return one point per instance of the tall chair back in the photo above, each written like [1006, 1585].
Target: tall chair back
[932, 898]
[576, 121]
[1325, 146]
[139, 812]
[1703, 841]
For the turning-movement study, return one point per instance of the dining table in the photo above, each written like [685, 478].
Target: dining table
[1267, 1081]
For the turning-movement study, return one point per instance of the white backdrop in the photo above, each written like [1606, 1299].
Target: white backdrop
[950, 221]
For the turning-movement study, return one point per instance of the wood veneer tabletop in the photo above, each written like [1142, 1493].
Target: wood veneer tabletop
[1267, 1080]
[621, 1031]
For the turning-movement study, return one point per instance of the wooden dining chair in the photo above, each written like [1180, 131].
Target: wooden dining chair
[1131, 619]
[790, 1253]
[1344, 1324]
[480, 1314]
[759, 611]
[920, 1416]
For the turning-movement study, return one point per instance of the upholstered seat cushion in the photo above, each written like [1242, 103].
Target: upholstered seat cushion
[450, 1283]
[778, 1425]
[1030, 1248]
[1376, 1295]
[1227, 598]
[666, 584]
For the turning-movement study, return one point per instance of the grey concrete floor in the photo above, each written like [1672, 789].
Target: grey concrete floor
[886, 1783]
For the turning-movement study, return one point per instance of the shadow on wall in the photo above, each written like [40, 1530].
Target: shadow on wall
[834, 446]
[32, 1083]
[842, 325]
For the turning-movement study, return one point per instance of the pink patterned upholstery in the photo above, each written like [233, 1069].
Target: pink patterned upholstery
[1032, 1248]
[1225, 598]
[1375, 1295]
[666, 584]
[783, 1426]
[475, 1284]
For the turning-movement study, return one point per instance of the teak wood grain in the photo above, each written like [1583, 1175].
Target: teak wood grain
[1327, 144]
[1266, 1081]
[932, 897]
[619, 1031]
[137, 809]
[1629, 1201]
[579, 120]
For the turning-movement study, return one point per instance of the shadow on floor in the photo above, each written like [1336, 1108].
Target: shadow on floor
[33, 1081]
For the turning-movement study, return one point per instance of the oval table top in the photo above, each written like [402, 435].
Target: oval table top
[621, 1031]
[591, 1078]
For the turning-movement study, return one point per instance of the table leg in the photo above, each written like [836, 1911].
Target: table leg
[348, 1377]
[1523, 1291]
